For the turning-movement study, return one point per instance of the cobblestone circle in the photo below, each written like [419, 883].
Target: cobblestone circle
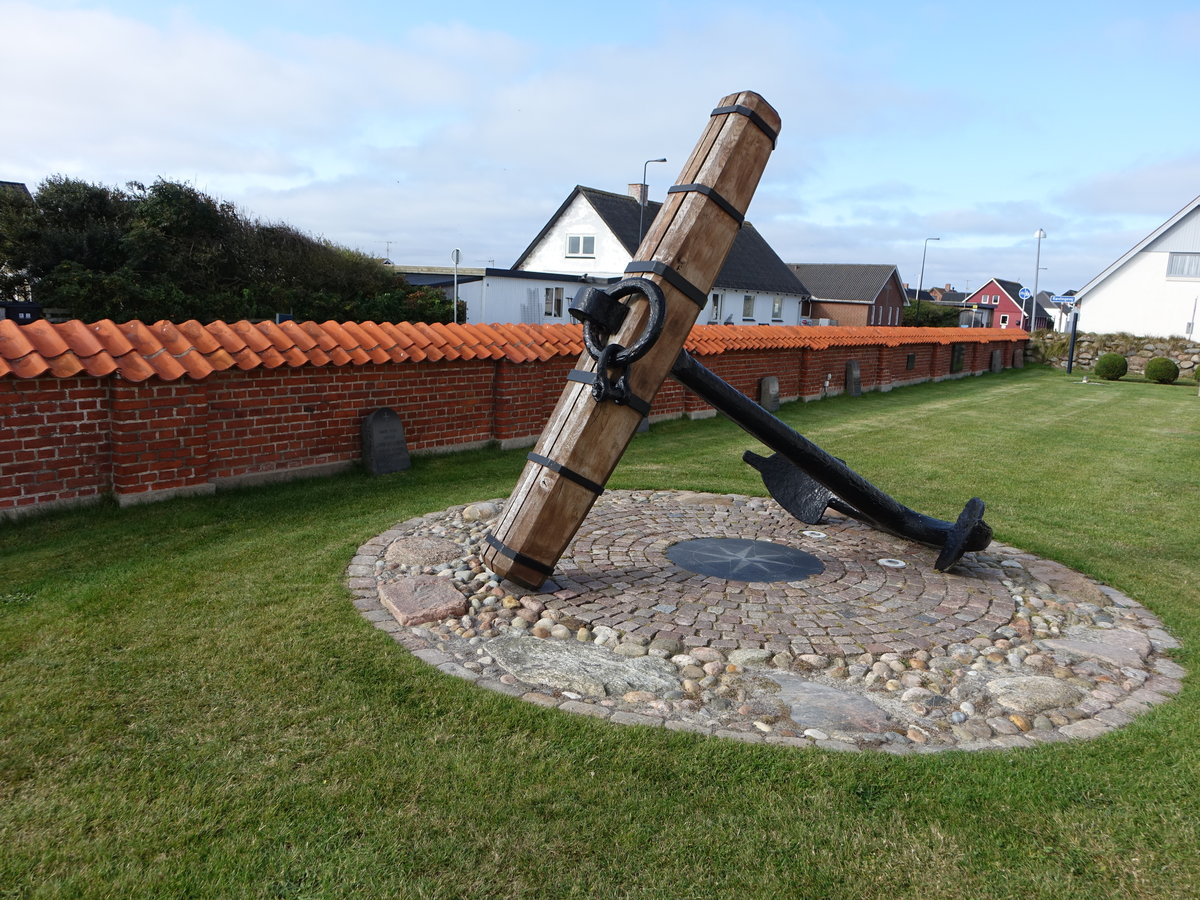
[878, 652]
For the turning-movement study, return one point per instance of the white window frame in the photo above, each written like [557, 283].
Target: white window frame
[714, 314]
[584, 244]
[1004, 321]
[777, 309]
[1187, 266]
[554, 302]
[748, 303]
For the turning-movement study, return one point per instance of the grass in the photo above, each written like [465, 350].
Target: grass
[191, 706]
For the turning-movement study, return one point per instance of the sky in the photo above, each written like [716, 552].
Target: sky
[408, 130]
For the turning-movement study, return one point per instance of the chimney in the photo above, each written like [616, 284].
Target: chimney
[948, 288]
[638, 193]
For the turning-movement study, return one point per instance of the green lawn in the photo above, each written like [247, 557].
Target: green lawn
[191, 706]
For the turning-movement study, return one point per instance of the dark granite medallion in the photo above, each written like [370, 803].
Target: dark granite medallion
[737, 559]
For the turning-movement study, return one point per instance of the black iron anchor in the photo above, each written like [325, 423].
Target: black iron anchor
[800, 476]
[805, 480]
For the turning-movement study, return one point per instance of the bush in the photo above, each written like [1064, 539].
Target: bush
[1111, 366]
[1162, 370]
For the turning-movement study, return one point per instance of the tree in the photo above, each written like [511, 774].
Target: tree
[169, 251]
[928, 315]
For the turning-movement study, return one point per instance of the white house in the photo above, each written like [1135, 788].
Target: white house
[506, 295]
[1152, 290]
[596, 234]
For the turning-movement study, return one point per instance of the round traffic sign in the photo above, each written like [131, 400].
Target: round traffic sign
[1025, 293]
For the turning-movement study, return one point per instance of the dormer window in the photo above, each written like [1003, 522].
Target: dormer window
[581, 245]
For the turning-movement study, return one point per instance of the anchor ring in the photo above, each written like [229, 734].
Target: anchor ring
[595, 339]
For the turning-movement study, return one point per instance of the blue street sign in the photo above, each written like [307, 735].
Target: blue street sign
[1025, 293]
[1061, 299]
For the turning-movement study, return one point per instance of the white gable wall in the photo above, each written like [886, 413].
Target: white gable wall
[611, 258]
[1138, 296]
[580, 218]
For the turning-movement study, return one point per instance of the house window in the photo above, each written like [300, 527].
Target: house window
[581, 245]
[748, 308]
[777, 309]
[910, 362]
[714, 309]
[1004, 321]
[554, 302]
[1183, 265]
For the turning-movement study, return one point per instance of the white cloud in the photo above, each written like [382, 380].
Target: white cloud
[1156, 189]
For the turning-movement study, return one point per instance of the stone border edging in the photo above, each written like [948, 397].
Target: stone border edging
[1055, 656]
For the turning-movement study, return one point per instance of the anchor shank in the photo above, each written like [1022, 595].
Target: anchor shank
[869, 501]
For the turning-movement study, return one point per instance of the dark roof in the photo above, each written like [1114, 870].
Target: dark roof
[1012, 288]
[751, 264]
[15, 188]
[844, 281]
[428, 279]
[911, 294]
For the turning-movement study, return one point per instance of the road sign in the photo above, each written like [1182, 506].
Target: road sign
[1025, 293]
[1061, 299]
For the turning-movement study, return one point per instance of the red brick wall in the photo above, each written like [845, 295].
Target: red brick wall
[67, 440]
[55, 444]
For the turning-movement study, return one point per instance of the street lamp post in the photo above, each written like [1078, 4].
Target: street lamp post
[643, 190]
[1037, 270]
[921, 278]
[455, 256]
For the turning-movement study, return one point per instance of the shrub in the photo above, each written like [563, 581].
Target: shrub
[1162, 370]
[1111, 366]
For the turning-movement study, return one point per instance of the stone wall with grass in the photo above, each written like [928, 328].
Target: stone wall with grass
[74, 439]
[1051, 347]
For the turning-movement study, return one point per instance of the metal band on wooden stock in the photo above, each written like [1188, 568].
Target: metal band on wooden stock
[753, 117]
[713, 196]
[570, 474]
[671, 277]
[519, 558]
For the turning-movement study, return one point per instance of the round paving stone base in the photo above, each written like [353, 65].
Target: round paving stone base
[877, 650]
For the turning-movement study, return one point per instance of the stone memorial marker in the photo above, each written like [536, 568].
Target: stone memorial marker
[1019, 358]
[853, 378]
[768, 393]
[997, 360]
[384, 450]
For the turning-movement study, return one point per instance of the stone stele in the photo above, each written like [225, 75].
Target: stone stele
[421, 599]
[584, 668]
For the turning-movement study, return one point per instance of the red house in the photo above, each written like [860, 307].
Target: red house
[998, 304]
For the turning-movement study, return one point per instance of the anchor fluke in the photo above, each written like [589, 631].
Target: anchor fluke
[793, 489]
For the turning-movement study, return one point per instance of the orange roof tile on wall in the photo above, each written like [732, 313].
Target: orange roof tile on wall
[318, 334]
[31, 365]
[231, 342]
[253, 336]
[45, 339]
[79, 338]
[13, 343]
[298, 336]
[169, 351]
[344, 340]
[279, 338]
[65, 365]
[201, 338]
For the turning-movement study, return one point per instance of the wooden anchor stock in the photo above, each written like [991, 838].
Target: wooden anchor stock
[682, 254]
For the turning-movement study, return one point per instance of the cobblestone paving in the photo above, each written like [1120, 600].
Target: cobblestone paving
[1005, 650]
